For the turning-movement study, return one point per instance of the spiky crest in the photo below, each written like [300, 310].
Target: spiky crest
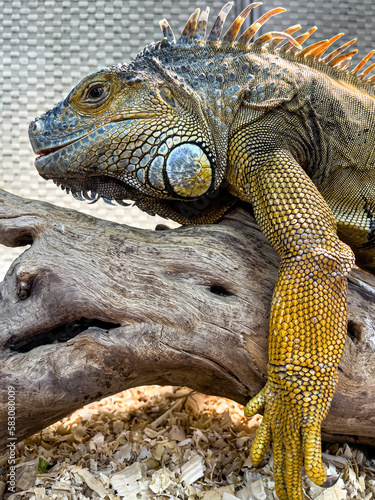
[266, 38]
[310, 49]
[218, 24]
[167, 31]
[202, 24]
[276, 41]
[249, 34]
[338, 51]
[190, 29]
[367, 71]
[195, 32]
[300, 39]
[231, 34]
[363, 62]
[318, 53]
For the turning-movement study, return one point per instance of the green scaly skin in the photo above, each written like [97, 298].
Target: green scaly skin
[187, 129]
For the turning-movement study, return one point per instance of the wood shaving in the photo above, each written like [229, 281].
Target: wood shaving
[165, 443]
[91, 482]
[192, 470]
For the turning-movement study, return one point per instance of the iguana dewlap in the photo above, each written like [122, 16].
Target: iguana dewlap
[189, 127]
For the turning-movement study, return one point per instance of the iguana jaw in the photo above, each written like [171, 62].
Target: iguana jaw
[206, 211]
[96, 187]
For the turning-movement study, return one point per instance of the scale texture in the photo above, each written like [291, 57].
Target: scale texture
[196, 124]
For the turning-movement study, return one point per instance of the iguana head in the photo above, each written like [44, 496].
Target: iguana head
[134, 125]
[156, 130]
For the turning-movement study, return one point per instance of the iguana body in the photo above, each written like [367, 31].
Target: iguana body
[188, 128]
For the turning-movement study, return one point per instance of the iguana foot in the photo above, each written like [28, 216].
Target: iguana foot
[292, 420]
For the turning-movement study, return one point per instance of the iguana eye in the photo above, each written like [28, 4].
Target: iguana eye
[96, 93]
[167, 96]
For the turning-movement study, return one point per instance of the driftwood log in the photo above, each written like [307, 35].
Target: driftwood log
[187, 306]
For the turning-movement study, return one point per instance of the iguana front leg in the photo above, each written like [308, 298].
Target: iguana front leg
[308, 315]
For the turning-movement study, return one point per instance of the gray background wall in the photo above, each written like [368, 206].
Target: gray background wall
[46, 47]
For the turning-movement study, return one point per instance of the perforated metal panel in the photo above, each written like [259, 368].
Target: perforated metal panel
[46, 47]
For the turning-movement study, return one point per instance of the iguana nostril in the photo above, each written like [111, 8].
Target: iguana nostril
[36, 128]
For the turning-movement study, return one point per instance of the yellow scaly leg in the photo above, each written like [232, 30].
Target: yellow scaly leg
[308, 318]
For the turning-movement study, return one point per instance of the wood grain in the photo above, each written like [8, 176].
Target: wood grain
[188, 306]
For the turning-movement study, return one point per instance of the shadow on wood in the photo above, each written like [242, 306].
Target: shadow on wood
[187, 306]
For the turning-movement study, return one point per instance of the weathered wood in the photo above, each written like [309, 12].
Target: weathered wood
[192, 305]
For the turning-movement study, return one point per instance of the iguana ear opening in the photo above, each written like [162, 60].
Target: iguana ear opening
[167, 95]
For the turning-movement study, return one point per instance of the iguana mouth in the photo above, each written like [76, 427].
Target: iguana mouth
[42, 152]
[46, 152]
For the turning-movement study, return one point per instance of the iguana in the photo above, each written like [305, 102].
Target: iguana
[190, 127]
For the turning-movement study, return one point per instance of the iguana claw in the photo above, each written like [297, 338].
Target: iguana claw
[331, 481]
[295, 432]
